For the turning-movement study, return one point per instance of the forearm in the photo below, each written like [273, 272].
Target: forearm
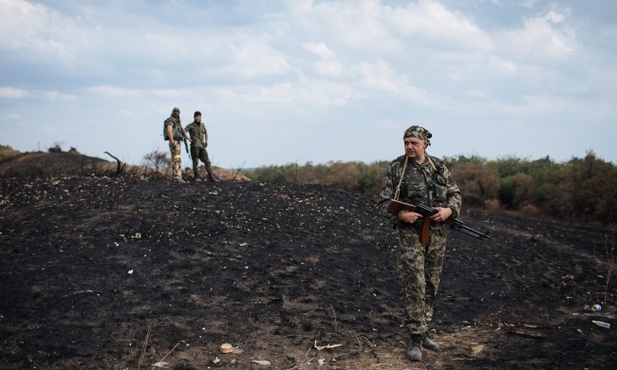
[385, 197]
[170, 134]
[454, 203]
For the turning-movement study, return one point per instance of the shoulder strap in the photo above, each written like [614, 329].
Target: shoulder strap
[400, 181]
[431, 162]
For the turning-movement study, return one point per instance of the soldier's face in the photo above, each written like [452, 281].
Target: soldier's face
[197, 118]
[414, 146]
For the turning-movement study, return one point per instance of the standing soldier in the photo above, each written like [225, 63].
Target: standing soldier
[199, 142]
[418, 178]
[174, 132]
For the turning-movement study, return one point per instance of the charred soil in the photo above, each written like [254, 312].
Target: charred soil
[121, 273]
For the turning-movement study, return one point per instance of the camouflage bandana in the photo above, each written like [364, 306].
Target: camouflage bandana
[418, 132]
[175, 113]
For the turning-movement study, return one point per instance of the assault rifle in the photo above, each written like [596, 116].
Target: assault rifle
[396, 206]
[186, 145]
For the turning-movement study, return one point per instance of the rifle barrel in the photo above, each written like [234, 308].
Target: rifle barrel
[471, 232]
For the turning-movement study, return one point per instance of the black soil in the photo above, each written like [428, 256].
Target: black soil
[114, 273]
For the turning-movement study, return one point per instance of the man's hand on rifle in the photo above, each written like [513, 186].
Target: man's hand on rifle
[409, 216]
[442, 214]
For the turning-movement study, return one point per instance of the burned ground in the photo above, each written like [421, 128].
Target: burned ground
[120, 273]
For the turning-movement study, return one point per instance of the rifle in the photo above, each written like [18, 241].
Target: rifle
[396, 206]
[186, 145]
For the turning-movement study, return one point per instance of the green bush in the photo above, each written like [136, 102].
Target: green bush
[583, 190]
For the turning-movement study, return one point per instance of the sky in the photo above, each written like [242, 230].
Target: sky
[299, 81]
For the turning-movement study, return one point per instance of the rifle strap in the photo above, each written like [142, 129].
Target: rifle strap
[400, 181]
[426, 223]
[430, 161]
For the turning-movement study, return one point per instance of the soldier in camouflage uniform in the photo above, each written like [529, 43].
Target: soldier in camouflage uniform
[174, 132]
[199, 142]
[418, 178]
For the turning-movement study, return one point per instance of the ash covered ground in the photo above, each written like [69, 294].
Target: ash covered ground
[120, 273]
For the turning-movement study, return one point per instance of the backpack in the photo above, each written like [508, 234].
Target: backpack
[165, 131]
[175, 131]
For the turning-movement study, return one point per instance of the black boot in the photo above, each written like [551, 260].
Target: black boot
[212, 178]
[414, 352]
[428, 343]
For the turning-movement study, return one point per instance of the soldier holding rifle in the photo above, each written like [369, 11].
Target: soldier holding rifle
[418, 178]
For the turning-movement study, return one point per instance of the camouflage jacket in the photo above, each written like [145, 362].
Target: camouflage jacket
[197, 131]
[175, 127]
[429, 183]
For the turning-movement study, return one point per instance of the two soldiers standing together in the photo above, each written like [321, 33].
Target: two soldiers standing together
[197, 134]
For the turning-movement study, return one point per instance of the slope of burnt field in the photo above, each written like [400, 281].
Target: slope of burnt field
[113, 273]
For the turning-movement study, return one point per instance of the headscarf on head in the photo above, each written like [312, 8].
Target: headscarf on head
[175, 113]
[418, 132]
[422, 134]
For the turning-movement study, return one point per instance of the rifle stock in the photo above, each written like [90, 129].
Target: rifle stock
[396, 206]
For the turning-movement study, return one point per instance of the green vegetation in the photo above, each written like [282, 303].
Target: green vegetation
[353, 176]
[6, 152]
[580, 190]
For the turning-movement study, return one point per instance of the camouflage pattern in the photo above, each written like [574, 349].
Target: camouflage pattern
[174, 121]
[198, 132]
[418, 132]
[176, 158]
[429, 183]
[175, 148]
[418, 270]
[200, 154]
[418, 266]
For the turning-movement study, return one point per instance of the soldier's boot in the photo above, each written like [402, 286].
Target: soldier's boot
[428, 343]
[196, 176]
[414, 352]
[212, 178]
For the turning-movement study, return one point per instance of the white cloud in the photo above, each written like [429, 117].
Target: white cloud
[380, 76]
[428, 19]
[13, 93]
[352, 23]
[476, 94]
[501, 65]
[113, 91]
[57, 96]
[30, 28]
[328, 65]
[544, 36]
[308, 92]
[320, 49]
[331, 68]
[13, 117]
[253, 57]
[286, 68]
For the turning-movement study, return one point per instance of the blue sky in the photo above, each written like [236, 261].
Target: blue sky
[311, 81]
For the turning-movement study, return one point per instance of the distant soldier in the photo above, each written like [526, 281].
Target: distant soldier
[199, 142]
[173, 131]
[418, 178]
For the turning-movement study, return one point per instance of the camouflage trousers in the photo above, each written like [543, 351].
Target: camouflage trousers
[176, 159]
[419, 273]
[200, 154]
